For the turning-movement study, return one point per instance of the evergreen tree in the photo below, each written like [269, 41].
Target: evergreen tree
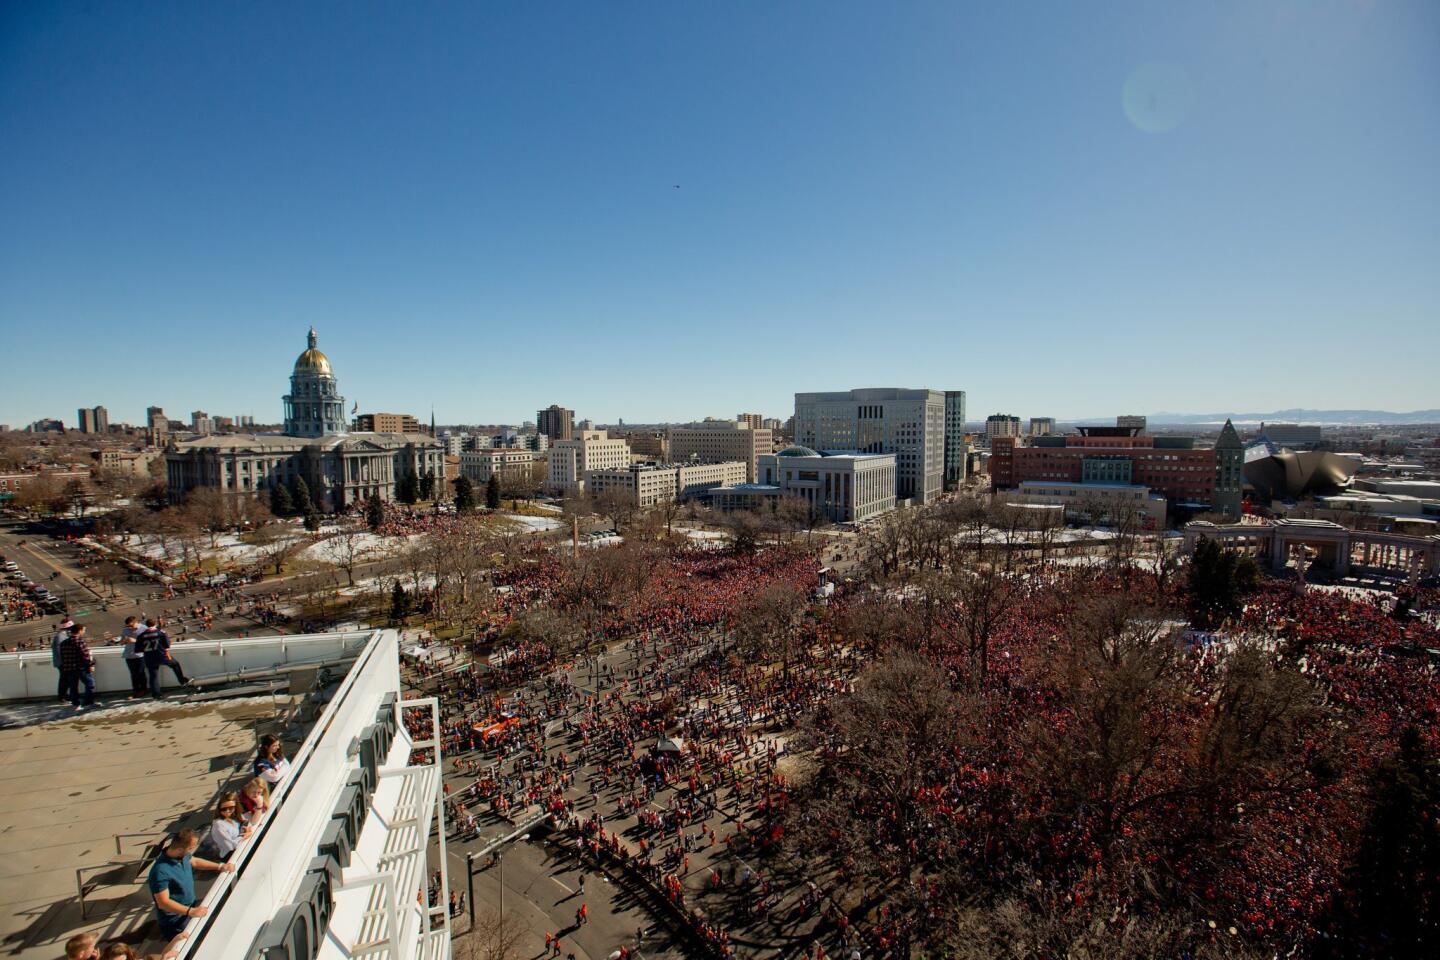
[303, 503]
[492, 492]
[1396, 879]
[427, 486]
[280, 502]
[399, 602]
[464, 495]
[1219, 579]
[374, 513]
[407, 491]
[312, 520]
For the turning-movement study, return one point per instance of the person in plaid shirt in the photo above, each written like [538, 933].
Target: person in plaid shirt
[77, 668]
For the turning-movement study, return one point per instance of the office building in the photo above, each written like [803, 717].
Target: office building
[717, 441]
[843, 488]
[1099, 503]
[908, 423]
[340, 467]
[87, 421]
[1292, 436]
[570, 460]
[556, 422]
[201, 423]
[1187, 475]
[387, 423]
[507, 462]
[752, 420]
[156, 421]
[1002, 425]
[956, 445]
[1042, 426]
[649, 483]
[1133, 421]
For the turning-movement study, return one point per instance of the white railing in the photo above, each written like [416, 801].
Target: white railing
[30, 674]
[272, 863]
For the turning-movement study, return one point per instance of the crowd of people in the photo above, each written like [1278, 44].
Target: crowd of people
[588, 739]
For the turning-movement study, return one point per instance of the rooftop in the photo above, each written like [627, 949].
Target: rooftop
[75, 789]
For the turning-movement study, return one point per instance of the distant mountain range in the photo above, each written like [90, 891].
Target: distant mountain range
[1303, 415]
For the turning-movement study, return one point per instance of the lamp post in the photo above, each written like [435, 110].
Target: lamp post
[470, 877]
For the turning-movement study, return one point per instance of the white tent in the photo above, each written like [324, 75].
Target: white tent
[670, 745]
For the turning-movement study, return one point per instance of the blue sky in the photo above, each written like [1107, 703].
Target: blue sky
[476, 205]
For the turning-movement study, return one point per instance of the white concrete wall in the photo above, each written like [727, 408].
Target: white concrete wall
[30, 675]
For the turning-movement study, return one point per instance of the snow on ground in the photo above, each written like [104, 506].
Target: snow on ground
[534, 524]
[695, 534]
[367, 546]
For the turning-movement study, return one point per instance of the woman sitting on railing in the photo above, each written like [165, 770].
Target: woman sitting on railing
[255, 800]
[229, 827]
[271, 763]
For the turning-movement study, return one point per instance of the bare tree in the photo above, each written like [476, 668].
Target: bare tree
[493, 937]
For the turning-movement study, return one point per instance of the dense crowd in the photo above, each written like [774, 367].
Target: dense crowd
[645, 753]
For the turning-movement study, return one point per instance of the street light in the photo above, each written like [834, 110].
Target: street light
[470, 878]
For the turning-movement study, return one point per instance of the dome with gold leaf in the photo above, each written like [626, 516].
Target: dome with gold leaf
[312, 360]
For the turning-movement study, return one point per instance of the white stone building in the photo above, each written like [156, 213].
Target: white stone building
[907, 423]
[339, 466]
[844, 487]
[570, 460]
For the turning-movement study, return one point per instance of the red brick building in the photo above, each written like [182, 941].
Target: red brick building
[1170, 466]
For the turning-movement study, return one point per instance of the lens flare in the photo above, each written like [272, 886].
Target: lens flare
[1157, 96]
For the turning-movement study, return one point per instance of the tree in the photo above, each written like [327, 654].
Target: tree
[618, 506]
[281, 503]
[427, 486]
[1219, 578]
[348, 548]
[407, 491]
[77, 497]
[494, 937]
[1396, 877]
[492, 492]
[300, 495]
[400, 602]
[464, 495]
[374, 514]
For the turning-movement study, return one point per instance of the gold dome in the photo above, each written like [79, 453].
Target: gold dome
[312, 360]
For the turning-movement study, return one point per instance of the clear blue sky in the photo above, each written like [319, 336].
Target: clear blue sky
[475, 204]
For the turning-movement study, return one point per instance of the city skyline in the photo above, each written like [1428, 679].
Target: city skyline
[727, 206]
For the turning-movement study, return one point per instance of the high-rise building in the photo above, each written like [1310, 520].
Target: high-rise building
[1042, 426]
[717, 441]
[556, 422]
[386, 423]
[1002, 425]
[752, 420]
[201, 423]
[907, 423]
[956, 449]
[156, 421]
[85, 420]
[1132, 420]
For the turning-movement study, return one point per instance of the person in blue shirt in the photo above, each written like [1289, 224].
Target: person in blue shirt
[172, 882]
